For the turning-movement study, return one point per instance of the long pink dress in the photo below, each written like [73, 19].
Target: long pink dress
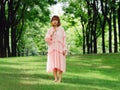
[56, 46]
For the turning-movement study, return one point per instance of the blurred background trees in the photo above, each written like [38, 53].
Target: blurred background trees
[92, 26]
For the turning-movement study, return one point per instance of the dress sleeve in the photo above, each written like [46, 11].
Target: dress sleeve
[64, 41]
[48, 37]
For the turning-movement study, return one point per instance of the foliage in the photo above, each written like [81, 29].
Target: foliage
[98, 22]
[36, 17]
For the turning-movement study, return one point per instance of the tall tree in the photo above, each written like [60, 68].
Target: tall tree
[13, 15]
[101, 19]
[2, 28]
[114, 25]
[118, 15]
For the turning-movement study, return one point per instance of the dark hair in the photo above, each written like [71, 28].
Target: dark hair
[55, 17]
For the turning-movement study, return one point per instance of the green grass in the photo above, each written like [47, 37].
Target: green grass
[84, 72]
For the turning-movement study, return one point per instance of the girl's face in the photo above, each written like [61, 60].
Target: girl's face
[55, 23]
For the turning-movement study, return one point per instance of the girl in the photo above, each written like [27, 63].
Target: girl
[57, 51]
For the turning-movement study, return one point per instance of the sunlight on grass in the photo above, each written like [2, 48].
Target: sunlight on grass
[93, 75]
[105, 67]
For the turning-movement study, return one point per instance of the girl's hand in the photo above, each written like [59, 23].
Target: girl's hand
[53, 33]
[64, 52]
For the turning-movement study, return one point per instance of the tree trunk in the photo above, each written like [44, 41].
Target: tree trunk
[119, 23]
[7, 30]
[95, 37]
[94, 26]
[13, 41]
[104, 13]
[88, 29]
[114, 26]
[2, 29]
[83, 38]
[110, 33]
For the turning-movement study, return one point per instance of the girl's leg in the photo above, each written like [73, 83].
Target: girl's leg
[55, 74]
[60, 76]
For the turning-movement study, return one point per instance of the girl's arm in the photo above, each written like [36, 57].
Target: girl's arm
[48, 37]
[65, 46]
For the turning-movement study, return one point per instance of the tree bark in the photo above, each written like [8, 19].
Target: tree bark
[119, 23]
[104, 13]
[2, 29]
[83, 29]
[110, 32]
[114, 26]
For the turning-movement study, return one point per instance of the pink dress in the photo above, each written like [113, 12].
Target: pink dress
[56, 46]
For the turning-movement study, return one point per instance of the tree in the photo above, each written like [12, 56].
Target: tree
[101, 17]
[13, 15]
[118, 15]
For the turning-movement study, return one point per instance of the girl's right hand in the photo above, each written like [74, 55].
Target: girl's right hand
[53, 33]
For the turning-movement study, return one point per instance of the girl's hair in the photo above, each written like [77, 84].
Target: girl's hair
[55, 17]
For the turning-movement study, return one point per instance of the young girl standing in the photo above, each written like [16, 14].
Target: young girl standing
[57, 51]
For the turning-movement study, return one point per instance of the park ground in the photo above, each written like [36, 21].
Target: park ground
[84, 72]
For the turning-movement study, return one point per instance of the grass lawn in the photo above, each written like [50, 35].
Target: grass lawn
[84, 72]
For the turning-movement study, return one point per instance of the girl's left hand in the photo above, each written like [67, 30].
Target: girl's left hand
[64, 52]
